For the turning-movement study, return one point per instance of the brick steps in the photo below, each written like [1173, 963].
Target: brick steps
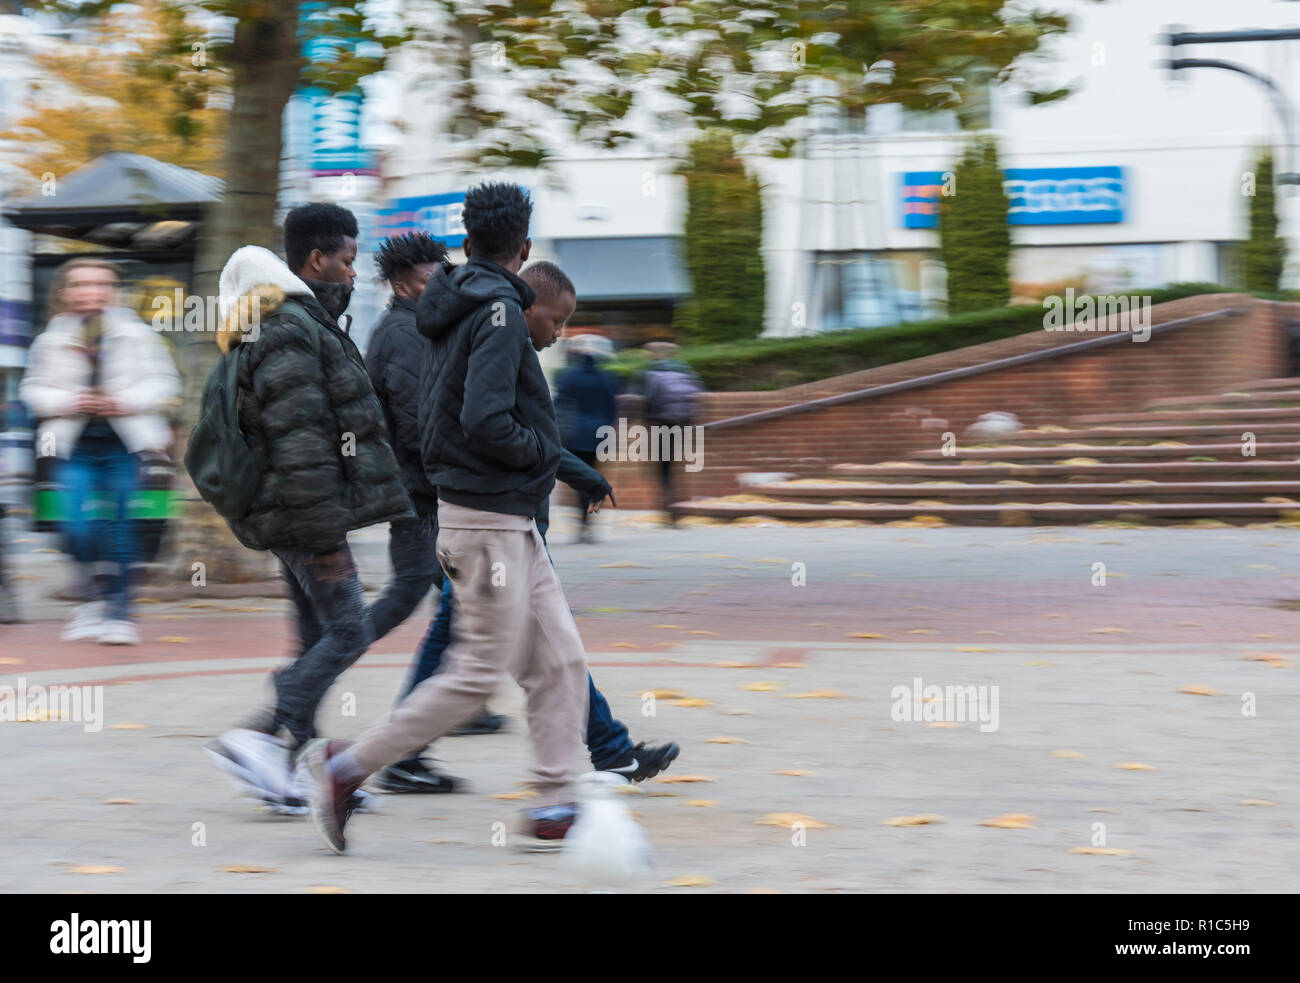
[1140, 466]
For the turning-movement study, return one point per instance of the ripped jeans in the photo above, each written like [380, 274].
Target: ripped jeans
[334, 629]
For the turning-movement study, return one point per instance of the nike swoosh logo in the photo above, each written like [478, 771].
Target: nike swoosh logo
[626, 768]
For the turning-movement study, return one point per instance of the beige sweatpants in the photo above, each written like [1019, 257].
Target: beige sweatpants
[509, 615]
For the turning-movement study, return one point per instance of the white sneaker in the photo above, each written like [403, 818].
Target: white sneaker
[86, 622]
[118, 633]
[257, 763]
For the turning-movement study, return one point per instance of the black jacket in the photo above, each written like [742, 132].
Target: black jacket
[393, 360]
[329, 468]
[487, 426]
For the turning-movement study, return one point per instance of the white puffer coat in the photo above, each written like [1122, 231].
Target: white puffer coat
[136, 369]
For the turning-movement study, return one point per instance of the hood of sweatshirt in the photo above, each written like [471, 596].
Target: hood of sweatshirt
[448, 297]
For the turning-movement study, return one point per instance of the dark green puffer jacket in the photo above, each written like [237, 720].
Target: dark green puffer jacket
[315, 416]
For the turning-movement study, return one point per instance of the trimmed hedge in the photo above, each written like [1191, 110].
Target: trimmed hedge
[774, 363]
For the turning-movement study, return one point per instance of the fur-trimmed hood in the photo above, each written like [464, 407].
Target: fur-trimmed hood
[253, 284]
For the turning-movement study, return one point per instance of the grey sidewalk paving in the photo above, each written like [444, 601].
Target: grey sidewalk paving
[135, 799]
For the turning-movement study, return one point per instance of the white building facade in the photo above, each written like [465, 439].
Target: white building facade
[1134, 181]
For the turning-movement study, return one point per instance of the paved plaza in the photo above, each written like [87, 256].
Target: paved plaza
[775, 656]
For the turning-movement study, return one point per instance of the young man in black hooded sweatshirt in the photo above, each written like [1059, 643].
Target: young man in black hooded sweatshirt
[491, 447]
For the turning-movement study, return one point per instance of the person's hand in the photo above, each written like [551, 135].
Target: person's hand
[594, 506]
[86, 402]
[108, 406]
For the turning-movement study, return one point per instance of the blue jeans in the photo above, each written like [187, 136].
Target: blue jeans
[101, 470]
[607, 738]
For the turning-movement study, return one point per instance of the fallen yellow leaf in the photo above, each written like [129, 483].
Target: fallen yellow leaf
[787, 665]
[325, 889]
[1110, 631]
[96, 869]
[177, 639]
[1066, 754]
[1195, 689]
[10, 661]
[691, 880]
[763, 687]
[817, 694]
[789, 819]
[794, 772]
[1257, 802]
[680, 779]
[666, 626]
[128, 726]
[734, 665]
[1134, 766]
[700, 631]
[120, 802]
[974, 648]
[692, 702]
[1011, 820]
[246, 869]
[665, 694]
[701, 803]
[866, 634]
[925, 819]
[726, 740]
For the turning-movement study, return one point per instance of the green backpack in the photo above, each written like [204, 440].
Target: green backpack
[225, 467]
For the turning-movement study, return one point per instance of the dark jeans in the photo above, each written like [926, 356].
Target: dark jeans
[101, 469]
[414, 562]
[607, 738]
[334, 629]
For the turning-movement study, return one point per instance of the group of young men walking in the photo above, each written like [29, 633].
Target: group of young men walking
[447, 432]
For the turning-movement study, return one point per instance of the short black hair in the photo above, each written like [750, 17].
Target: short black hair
[402, 253]
[549, 277]
[496, 218]
[316, 225]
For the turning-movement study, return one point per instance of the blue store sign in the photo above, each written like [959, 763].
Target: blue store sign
[438, 215]
[1038, 196]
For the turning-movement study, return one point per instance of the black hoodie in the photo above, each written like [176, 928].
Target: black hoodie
[488, 435]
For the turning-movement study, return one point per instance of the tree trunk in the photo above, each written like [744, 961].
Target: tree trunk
[265, 60]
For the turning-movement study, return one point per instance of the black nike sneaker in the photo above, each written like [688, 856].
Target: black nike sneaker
[643, 762]
[415, 776]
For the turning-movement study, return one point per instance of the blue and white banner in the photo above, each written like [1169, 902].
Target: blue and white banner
[1037, 196]
[438, 215]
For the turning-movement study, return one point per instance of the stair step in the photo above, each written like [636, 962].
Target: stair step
[1207, 490]
[1060, 513]
[1241, 398]
[1157, 432]
[1262, 449]
[1287, 382]
[1260, 470]
[1167, 418]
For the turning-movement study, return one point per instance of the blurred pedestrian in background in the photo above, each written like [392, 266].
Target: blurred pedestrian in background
[584, 402]
[100, 381]
[670, 390]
